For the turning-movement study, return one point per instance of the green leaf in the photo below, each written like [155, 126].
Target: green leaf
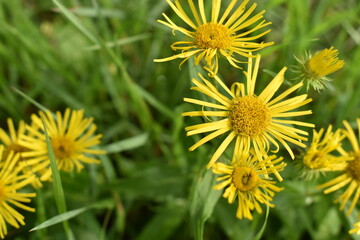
[165, 222]
[59, 218]
[261, 232]
[153, 181]
[107, 203]
[40, 106]
[127, 144]
[202, 202]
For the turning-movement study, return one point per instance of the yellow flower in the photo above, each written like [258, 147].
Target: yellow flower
[315, 68]
[320, 155]
[71, 137]
[208, 38]
[11, 181]
[11, 144]
[245, 178]
[11, 140]
[350, 176]
[253, 120]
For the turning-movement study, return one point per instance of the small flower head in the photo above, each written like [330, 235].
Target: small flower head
[321, 155]
[11, 183]
[314, 68]
[208, 38]
[351, 174]
[253, 121]
[71, 137]
[246, 179]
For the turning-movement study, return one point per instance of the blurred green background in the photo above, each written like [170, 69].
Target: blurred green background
[98, 56]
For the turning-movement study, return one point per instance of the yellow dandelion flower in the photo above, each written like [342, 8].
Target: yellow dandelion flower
[71, 137]
[350, 176]
[320, 156]
[315, 68]
[253, 120]
[11, 182]
[245, 178]
[209, 37]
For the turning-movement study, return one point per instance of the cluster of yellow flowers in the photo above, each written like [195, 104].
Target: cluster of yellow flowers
[328, 155]
[25, 159]
[256, 123]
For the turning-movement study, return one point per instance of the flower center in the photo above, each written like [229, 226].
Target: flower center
[354, 167]
[63, 147]
[212, 35]
[248, 116]
[315, 161]
[245, 179]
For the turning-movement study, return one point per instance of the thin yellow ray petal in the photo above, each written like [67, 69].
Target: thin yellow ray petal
[268, 137]
[221, 149]
[252, 77]
[286, 93]
[211, 92]
[206, 114]
[180, 55]
[257, 27]
[244, 17]
[181, 14]
[291, 131]
[207, 127]
[205, 104]
[354, 202]
[351, 136]
[292, 114]
[273, 86]
[202, 11]
[175, 27]
[215, 10]
[347, 194]
[238, 12]
[238, 89]
[208, 138]
[194, 12]
[337, 186]
[241, 23]
[292, 122]
[222, 84]
[290, 104]
[228, 10]
[282, 135]
[336, 180]
[279, 138]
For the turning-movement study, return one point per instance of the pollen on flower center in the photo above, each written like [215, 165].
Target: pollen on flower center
[245, 179]
[212, 35]
[63, 147]
[248, 116]
[354, 167]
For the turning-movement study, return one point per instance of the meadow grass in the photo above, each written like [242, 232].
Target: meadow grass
[98, 56]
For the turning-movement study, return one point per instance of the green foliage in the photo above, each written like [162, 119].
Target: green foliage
[98, 55]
